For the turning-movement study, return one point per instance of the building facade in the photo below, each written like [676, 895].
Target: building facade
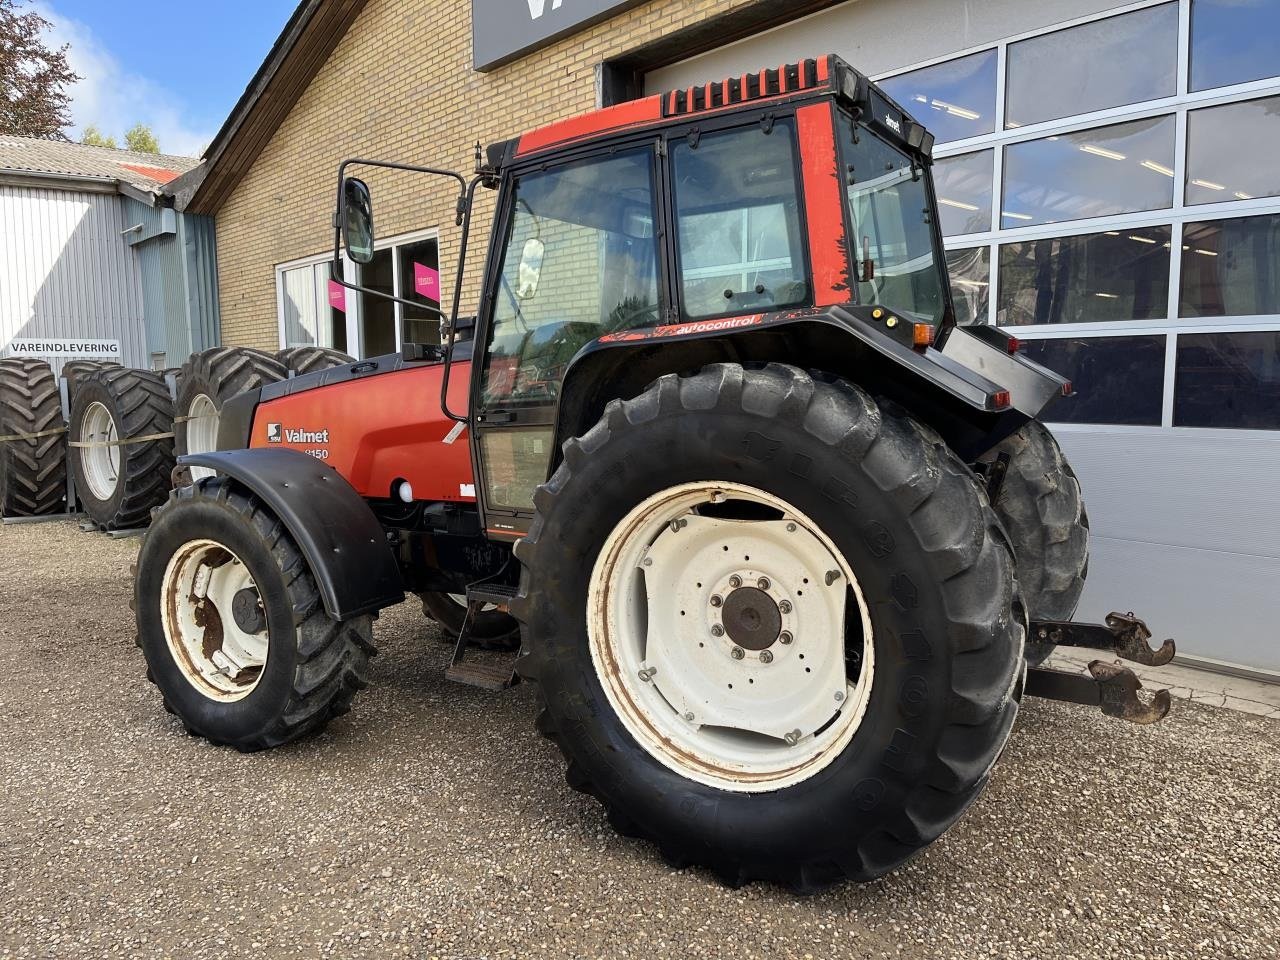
[1105, 184]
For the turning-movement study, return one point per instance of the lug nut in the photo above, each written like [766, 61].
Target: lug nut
[737, 653]
[792, 738]
[717, 630]
[647, 673]
[766, 656]
[785, 637]
[689, 717]
[716, 600]
[784, 606]
[735, 581]
[839, 696]
[763, 583]
[791, 528]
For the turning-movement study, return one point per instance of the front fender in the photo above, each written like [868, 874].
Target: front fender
[342, 541]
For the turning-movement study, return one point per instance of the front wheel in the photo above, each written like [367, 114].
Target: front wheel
[232, 627]
[776, 628]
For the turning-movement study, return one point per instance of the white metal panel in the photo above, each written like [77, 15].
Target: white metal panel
[877, 36]
[66, 270]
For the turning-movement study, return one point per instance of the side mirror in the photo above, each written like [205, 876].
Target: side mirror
[530, 269]
[357, 220]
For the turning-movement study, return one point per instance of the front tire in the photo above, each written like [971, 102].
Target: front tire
[231, 624]
[931, 646]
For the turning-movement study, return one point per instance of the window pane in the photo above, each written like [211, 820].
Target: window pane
[377, 314]
[1093, 173]
[970, 272]
[1219, 165]
[1117, 275]
[1116, 379]
[580, 261]
[738, 220]
[1228, 380]
[1106, 63]
[308, 318]
[954, 100]
[1233, 41]
[892, 227]
[420, 282]
[963, 186]
[1231, 268]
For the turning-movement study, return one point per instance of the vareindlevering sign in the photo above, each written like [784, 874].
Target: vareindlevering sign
[60, 347]
[503, 29]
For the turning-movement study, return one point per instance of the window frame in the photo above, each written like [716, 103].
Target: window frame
[1179, 105]
[351, 311]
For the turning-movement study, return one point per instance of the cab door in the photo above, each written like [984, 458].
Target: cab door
[579, 258]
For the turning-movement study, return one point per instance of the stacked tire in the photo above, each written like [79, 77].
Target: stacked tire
[33, 453]
[121, 444]
[303, 360]
[207, 381]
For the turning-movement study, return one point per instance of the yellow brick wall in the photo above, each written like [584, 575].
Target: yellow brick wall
[399, 86]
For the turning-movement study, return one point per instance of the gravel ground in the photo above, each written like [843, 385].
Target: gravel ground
[433, 822]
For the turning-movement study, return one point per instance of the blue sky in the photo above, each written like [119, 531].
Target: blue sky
[178, 67]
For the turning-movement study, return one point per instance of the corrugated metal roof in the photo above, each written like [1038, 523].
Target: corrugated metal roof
[144, 171]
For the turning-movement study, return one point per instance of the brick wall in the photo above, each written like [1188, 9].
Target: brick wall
[399, 86]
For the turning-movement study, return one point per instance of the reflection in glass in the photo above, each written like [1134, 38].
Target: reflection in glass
[954, 100]
[1093, 173]
[1219, 167]
[963, 187]
[1106, 63]
[1097, 277]
[1117, 380]
[738, 222]
[1229, 380]
[970, 273]
[892, 227]
[1231, 268]
[1233, 41]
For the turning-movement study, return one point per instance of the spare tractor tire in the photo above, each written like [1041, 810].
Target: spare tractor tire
[1040, 504]
[303, 360]
[775, 628]
[33, 455]
[492, 630]
[208, 380]
[76, 370]
[121, 445]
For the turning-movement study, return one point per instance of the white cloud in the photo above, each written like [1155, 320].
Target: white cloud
[111, 98]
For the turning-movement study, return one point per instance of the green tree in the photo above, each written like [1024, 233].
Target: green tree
[94, 137]
[140, 139]
[33, 78]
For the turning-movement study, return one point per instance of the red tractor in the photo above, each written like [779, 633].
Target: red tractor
[778, 537]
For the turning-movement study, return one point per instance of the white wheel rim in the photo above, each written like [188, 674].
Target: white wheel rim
[202, 431]
[701, 686]
[215, 655]
[101, 465]
[461, 600]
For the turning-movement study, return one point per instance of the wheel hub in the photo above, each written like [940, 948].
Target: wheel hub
[751, 618]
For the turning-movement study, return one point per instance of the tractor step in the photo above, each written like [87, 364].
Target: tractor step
[487, 675]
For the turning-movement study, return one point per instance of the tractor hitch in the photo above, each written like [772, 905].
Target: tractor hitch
[1122, 633]
[1111, 686]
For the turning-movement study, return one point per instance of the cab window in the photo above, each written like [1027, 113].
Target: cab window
[738, 221]
[580, 261]
[892, 246]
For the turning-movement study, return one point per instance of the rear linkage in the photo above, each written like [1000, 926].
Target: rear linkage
[1112, 686]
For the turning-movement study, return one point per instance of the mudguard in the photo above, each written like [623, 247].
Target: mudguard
[339, 536]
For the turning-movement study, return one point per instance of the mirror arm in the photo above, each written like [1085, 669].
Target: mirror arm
[464, 220]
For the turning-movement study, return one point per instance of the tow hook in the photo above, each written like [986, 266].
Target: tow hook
[1111, 686]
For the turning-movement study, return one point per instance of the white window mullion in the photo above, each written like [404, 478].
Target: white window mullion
[1184, 48]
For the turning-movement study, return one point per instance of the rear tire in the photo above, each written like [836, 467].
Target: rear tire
[931, 574]
[208, 380]
[304, 360]
[1040, 505]
[119, 485]
[77, 370]
[33, 470]
[275, 670]
[492, 629]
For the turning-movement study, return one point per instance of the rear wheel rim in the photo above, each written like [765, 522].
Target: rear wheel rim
[101, 462]
[221, 656]
[731, 636]
[202, 431]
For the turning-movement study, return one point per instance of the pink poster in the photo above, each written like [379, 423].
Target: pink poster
[337, 296]
[426, 282]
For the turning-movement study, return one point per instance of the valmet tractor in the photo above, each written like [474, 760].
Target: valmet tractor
[779, 538]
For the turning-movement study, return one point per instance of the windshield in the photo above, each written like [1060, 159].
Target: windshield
[892, 245]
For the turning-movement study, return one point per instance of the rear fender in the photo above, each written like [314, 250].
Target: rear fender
[342, 541]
